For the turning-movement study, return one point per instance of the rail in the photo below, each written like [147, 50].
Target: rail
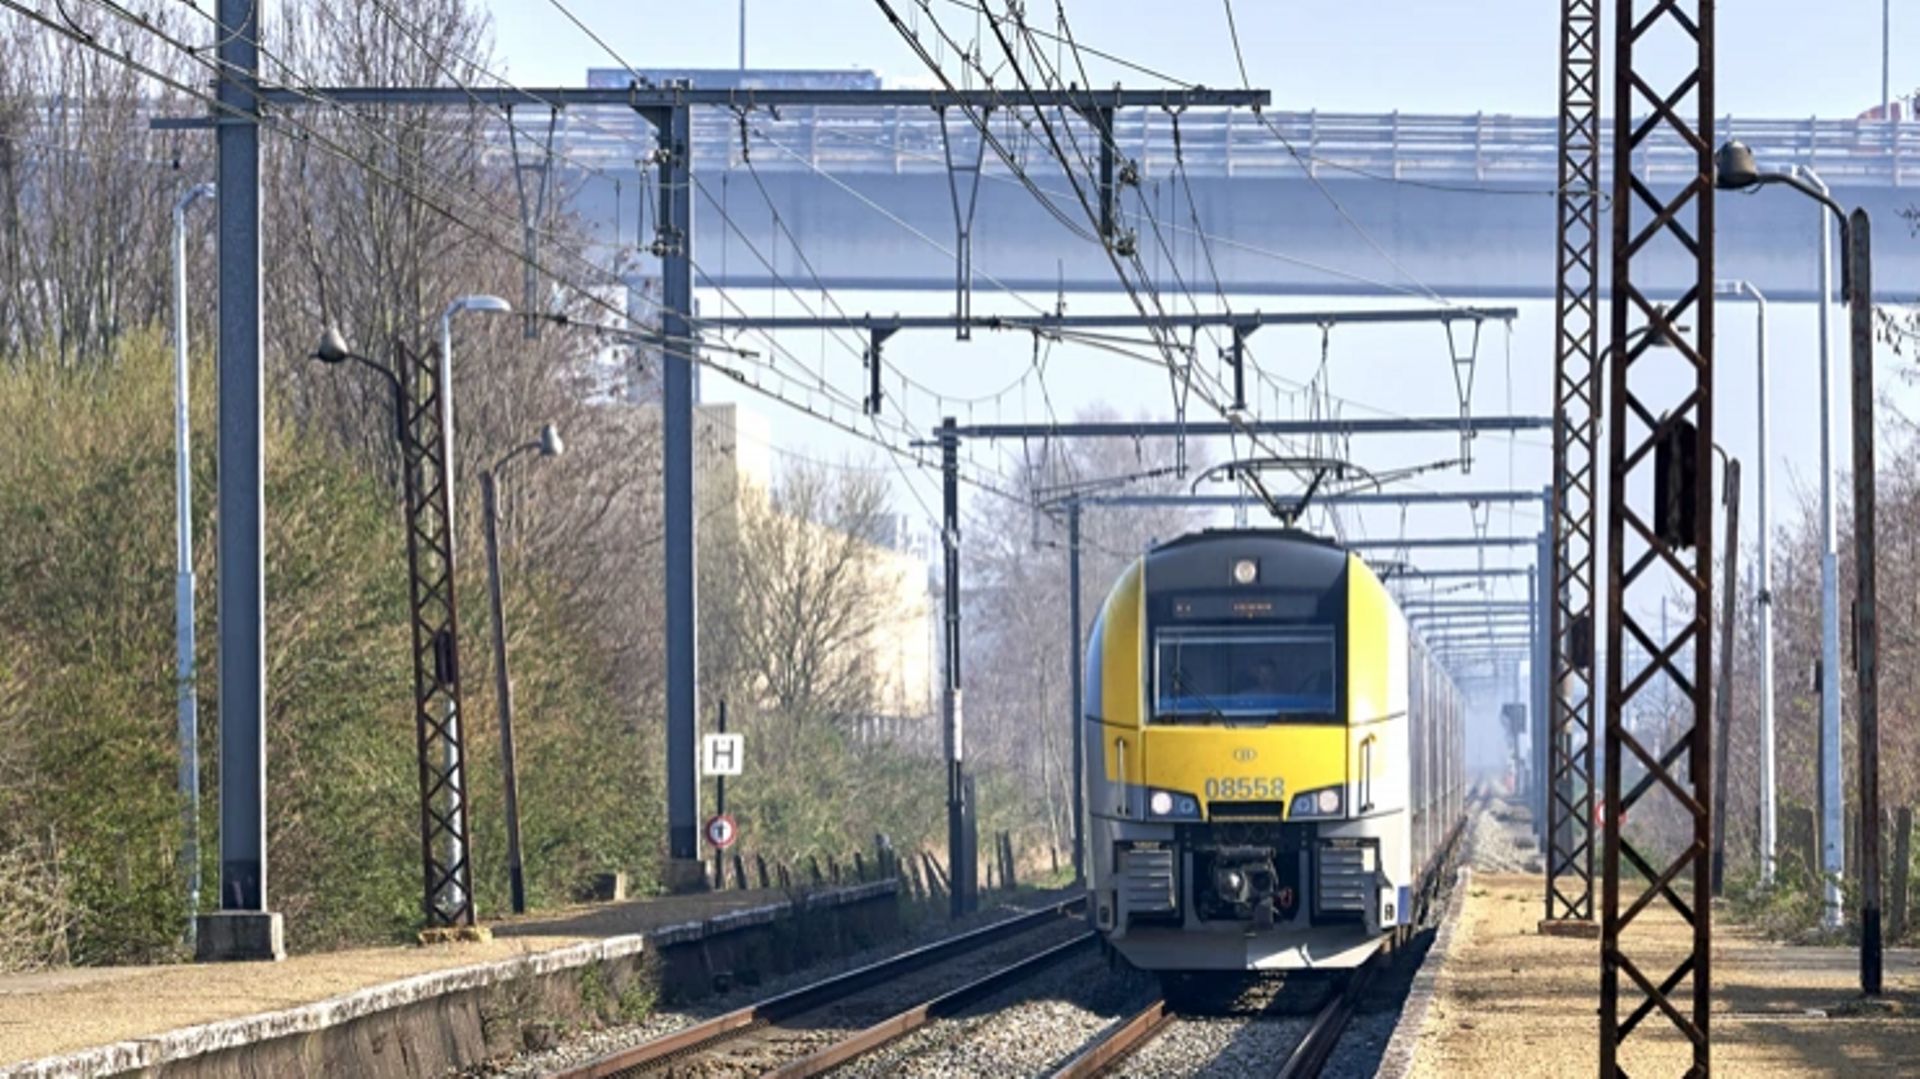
[705, 1034]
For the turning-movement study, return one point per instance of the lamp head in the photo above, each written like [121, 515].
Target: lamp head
[1734, 168]
[480, 302]
[333, 347]
[550, 443]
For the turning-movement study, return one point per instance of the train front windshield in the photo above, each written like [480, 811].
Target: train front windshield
[1233, 675]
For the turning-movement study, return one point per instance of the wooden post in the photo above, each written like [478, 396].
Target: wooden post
[859, 868]
[937, 871]
[760, 862]
[740, 872]
[786, 878]
[813, 870]
[833, 869]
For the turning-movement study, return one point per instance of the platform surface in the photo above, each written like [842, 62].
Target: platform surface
[1511, 1003]
[48, 1013]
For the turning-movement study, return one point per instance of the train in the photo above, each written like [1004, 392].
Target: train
[1274, 763]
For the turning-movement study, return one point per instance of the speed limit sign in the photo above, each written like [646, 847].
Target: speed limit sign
[722, 831]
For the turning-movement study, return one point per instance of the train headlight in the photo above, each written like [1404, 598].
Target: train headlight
[1246, 571]
[1172, 805]
[1325, 802]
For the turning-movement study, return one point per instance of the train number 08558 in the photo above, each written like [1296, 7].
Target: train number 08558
[1244, 789]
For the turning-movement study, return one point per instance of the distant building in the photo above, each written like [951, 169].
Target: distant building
[734, 476]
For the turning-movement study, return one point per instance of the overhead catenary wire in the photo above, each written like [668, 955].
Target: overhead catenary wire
[313, 137]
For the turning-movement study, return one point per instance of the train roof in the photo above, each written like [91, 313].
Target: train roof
[1299, 558]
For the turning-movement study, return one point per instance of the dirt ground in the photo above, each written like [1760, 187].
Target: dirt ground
[60, 1011]
[1513, 1004]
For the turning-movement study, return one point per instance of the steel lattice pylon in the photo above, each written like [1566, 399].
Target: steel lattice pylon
[448, 896]
[1660, 404]
[1576, 422]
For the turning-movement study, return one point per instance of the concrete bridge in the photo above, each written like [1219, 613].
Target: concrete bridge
[1464, 204]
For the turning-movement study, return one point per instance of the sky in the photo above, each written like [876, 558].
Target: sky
[1775, 58]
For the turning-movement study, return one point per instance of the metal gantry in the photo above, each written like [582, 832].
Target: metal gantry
[1576, 414]
[1659, 544]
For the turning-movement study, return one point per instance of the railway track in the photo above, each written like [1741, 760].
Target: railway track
[1308, 1056]
[705, 1047]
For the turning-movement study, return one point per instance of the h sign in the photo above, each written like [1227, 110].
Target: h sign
[722, 754]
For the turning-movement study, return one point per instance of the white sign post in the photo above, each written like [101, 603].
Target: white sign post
[722, 754]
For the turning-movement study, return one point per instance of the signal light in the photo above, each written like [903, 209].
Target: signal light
[1676, 477]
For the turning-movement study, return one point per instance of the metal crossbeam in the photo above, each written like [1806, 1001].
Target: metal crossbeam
[448, 885]
[1576, 408]
[1371, 425]
[642, 97]
[1497, 573]
[1439, 542]
[1661, 404]
[1343, 498]
[1243, 321]
[1443, 604]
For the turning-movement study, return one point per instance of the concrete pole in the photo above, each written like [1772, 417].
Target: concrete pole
[503, 692]
[673, 125]
[242, 535]
[1077, 675]
[1832, 823]
[456, 837]
[959, 856]
[1866, 645]
[187, 705]
[1763, 486]
[1723, 692]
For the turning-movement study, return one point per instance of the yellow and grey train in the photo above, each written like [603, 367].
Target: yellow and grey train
[1274, 766]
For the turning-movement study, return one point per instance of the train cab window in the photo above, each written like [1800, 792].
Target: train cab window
[1234, 675]
[1092, 699]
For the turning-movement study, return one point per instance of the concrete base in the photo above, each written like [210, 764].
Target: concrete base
[239, 935]
[1570, 927]
[684, 875]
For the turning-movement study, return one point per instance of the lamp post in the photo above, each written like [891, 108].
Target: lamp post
[1735, 169]
[1764, 569]
[188, 701]
[549, 445]
[456, 840]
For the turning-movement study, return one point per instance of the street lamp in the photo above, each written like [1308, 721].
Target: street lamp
[188, 702]
[1735, 169]
[1768, 795]
[549, 445]
[443, 389]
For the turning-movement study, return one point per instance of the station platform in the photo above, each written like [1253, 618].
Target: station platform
[1504, 1000]
[401, 1010]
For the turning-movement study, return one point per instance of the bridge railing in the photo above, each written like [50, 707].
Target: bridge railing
[1490, 149]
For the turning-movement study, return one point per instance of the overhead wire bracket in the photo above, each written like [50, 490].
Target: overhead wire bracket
[1463, 369]
[533, 215]
[963, 217]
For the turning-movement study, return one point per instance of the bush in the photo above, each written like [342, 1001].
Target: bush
[87, 713]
